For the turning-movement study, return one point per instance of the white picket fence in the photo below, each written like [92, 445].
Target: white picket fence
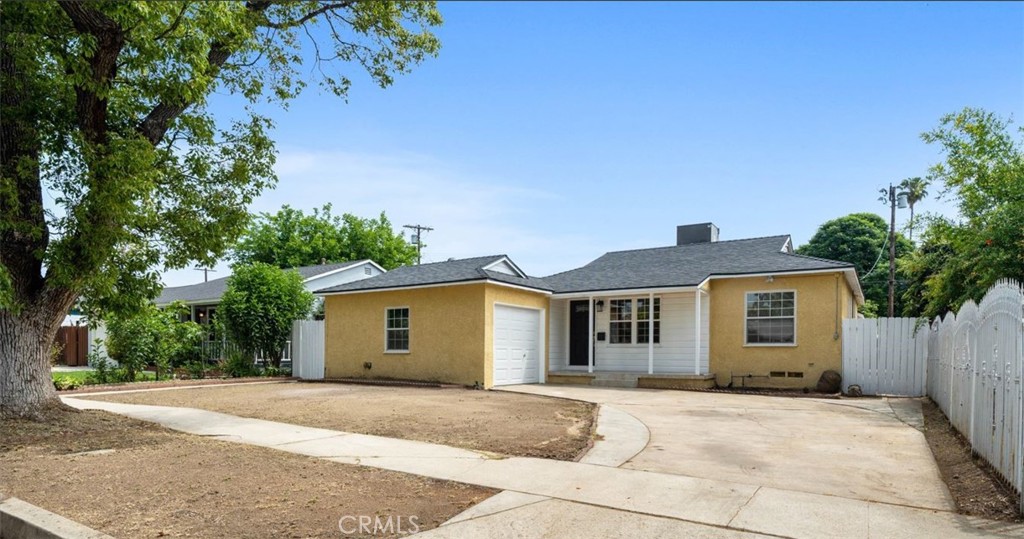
[885, 356]
[976, 366]
[308, 349]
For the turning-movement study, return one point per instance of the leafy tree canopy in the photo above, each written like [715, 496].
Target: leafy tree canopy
[105, 112]
[860, 239]
[259, 306]
[983, 173]
[291, 238]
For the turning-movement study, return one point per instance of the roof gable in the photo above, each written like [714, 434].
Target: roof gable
[478, 269]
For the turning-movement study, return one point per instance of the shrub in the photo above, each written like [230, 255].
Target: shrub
[259, 306]
[152, 335]
[102, 370]
[67, 383]
[239, 365]
[196, 369]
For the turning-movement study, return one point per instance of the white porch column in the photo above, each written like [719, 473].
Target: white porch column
[590, 334]
[650, 333]
[696, 334]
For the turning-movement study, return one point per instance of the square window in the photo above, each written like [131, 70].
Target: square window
[771, 317]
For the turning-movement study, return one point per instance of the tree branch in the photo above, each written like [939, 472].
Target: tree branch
[283, 25]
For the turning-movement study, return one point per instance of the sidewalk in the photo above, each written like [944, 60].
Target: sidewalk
[602, 500]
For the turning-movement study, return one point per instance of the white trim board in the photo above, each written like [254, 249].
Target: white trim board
[434, 285]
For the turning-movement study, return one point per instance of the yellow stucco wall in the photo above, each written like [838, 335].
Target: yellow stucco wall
[819, 316]
[450, 333]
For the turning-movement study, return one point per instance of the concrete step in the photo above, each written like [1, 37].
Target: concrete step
[614, 379]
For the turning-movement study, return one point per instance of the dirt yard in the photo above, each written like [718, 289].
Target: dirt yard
[975, 487]
[160, 483]
[506, 423]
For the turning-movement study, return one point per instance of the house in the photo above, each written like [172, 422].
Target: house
[700, 313]
[203, 298]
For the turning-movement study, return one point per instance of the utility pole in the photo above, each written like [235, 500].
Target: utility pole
[418, 239]
[206, 273]
[894, 200]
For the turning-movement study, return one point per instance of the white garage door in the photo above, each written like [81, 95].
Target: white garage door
[516, 345]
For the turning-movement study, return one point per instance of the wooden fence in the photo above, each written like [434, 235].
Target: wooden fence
[308, 349]
[975, 367]
[74, 343]
[885, 356]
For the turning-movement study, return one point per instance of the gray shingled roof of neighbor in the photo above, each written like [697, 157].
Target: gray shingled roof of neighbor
[439, 273]
[213, 290]
[687, 265]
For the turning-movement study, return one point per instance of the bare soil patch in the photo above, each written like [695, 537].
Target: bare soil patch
[161, 483]
[495, 421]
[976, 488]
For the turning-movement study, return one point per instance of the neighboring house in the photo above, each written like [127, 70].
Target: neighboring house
[203, 298]
[742, 312]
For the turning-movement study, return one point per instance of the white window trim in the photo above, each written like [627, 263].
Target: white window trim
[634, 322]
[409, 329]
[796, 312]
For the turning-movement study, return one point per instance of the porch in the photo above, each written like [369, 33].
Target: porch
[656, 338]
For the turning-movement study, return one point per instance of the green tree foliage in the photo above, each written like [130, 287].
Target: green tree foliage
[916, 190]
[152, 336]
[291, 239]
[105, 112]
[861, 239]
[983, 173]
[259, 306]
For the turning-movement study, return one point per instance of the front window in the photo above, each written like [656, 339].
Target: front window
[396, 333]
[643, 318]
[621, 321]
[771, 318]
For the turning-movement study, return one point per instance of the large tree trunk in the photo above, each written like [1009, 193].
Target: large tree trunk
[26, 388]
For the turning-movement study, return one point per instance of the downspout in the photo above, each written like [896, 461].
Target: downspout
[835, 334]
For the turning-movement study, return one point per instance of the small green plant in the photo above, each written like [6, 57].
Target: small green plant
[196, 369]
[102, 369]
[271, 371]
[238, 365]
[66, 383]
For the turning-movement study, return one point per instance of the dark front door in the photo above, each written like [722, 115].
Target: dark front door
[579, 332]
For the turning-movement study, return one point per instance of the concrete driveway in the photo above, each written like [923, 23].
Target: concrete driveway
[865, 449]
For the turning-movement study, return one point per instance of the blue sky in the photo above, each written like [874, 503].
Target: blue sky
[554, 132]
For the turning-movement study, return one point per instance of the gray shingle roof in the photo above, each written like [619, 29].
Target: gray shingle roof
[685, 265]
[436, 273]
[213, 290]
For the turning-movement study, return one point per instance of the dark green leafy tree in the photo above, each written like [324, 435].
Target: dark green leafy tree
[291, 238]
[861, 239]
[152, 335]
[983, 173]
[104, 114]
[259, 306]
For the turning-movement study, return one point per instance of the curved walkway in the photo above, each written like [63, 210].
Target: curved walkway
[576, 499]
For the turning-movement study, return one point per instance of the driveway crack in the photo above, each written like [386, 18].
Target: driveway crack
[745, 504]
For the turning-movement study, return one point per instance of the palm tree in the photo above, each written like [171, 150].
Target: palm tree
[916, 189]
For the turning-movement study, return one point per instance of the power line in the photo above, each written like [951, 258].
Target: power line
[417, 239]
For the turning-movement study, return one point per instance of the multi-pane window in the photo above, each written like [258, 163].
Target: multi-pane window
[771, 318]
[621, 321]
[643, 316]
[396, 333]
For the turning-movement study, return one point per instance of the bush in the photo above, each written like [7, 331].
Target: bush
[152, 336]
[239, 365]
[196, 369]
[259, 306]
[67, 383]
[102, 370]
